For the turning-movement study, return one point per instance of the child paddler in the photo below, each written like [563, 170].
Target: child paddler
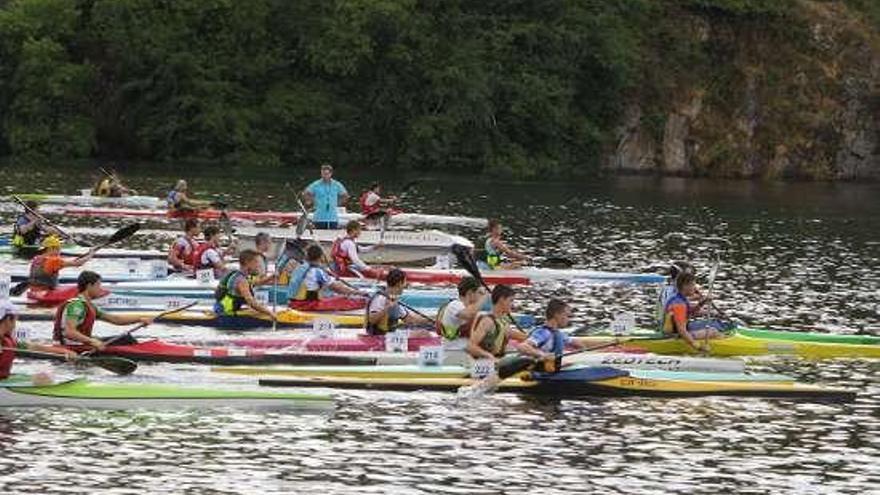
[8, 317]
[180, 255]
[547, 341]
[210, 254]
[679, 313]
[29, 229]
[235, 289]
[384, 311]
[46, 266]
[310, 279]
[498, 254]
[344, 253]
[75, 319]
[492, 331]
[455, 318]
[372, 201]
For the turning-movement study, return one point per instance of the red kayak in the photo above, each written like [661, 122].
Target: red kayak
[208, 214]
[432, 276]
[56, 296]
[330, 304]
[159, 351]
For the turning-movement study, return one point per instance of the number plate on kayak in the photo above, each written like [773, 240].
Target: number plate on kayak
[431, 355]
[397, 341]
[175, 302]
[21, 334]
[323, 329]
[482, 368]
[205, 276]
[623, 323]
[262, 297]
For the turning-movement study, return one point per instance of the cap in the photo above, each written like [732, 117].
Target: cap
[7, 308]
[51, 241]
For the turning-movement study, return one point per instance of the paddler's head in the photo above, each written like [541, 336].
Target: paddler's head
[558, 314]
[686, 284]
[469, 290]
[262, 242]
[376, 187]
[212, 234]
[495, 227]
[679, 267]
[31, 205]
[181, 186]
[314, 254]
[502, 299]
[8, 315]
[396, 281]
[250, 261]
[89, 284]
[353, 229]
[191, 227]
[326, 172]
[52, 245]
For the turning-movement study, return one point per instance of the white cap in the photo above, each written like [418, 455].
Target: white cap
[7, 308]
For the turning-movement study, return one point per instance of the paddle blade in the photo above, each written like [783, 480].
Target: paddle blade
[124, 233]
[117, 365]
[19, 288]
[466, 260]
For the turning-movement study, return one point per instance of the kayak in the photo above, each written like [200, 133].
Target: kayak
[747, 342]
[110, 272]
[337, 303]
[522, 276]
[18, 391]
[590, 381]
[64, 199]
[266, 216]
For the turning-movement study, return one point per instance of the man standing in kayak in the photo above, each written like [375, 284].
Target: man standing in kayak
[344, 253]
[326, 194]
[491, 331]
[75, 319]
[454, 319]
[28, 229]
[311, 278]
[235, 289]
[8, 344]
[498, 254]
[384, 311]
[45, 267]
[181, 252]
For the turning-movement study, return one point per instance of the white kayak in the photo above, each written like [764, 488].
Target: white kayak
[89, 200]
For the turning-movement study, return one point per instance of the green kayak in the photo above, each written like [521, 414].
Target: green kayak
[18, 391]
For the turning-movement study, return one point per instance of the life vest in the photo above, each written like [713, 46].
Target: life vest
[388, 323]
[296, 289]
[198, 253]
[558, 340]
[84, 328]
[368, 209]
[667, 292]
[493, 257]
[668, 321]
[39, 276]
[20, 239]
[229, 301]
[495, 341]
[461, 331]
[340, 259]
[171, 200]
[281, 264]
[103, 188]
[191, 245]
[7, 356]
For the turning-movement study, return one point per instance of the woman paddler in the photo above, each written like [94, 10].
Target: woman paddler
[344, 253]
[75, 319]
[46, 266]
[8, 344]
[235, 289]
[311, 278]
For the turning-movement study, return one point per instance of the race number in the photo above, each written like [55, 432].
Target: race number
[397, 341]
[21, 334]
[431, 355]
[623, 323]
[5, 283]
[482, 368]
[158, 269]
[262, 297]
[205, 276]
[323, 329]
[175, 303]
[443, 262]
[132, 265]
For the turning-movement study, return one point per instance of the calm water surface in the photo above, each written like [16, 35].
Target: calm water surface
[797, 256]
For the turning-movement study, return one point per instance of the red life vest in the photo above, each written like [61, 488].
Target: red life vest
[181, 250]
[367, 209]
[7, 356]
[339, 257]
[84, 328]
[196, 258]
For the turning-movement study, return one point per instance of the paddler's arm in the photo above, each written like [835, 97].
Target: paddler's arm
[680, 319]
[71, 333]
[118, 319]
[470, 312]
[175, 260]
[513, 332]
[528, 348]
[413, 318]
[245, 290]
[376, 316]
[308, 197]
[477, 334]
[341, 288]
[78, 261]
[509, 251]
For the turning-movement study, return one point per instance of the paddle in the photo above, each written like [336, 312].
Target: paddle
[113, 176]
[141, 325]
[47, 222]
[466, 259]
[121, 234]
[113, 364]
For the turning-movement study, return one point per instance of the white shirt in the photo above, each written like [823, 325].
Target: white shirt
[371, 199]
[450, 314]
[317, 279]
[351, 249]
[377, 305]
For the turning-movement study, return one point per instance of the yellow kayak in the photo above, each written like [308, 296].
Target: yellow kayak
[248, 318]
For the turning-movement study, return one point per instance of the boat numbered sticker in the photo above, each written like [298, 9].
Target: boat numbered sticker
[159, 269]
[262, 297]
[5, 282]
[623, 323]
[205, 276]
[132, 265]
[397, 341]
[323, 329]
[175, 303]
[431, 355]
[21, 334]
[482, 368]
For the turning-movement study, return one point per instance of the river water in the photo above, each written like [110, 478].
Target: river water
[803, 256]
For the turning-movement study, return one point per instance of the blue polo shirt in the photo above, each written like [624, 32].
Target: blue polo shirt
[326, 199]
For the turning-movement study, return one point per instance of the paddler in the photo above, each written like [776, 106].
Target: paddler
[180, 255]
[110, 186]
[8, 316]
[491, 331]
[179, 200]
[262, 246]
[290, 258]
[326, 194]
[668, 291]
[29, 229]
[454, 319]
[372, 201]
[344, 253]
[498, 254]
[311, 278]
[210, 254]
[384, 311]
[235, 289]
[75, 318]
[45, 267]
[547, 341]
[679, 312]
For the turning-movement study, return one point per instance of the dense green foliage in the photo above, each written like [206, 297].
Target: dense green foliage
[523, 87]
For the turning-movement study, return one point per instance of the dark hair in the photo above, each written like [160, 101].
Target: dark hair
[210, 231]
[467, 284]
[683, 279]
[327, 166]
[351, 226]
[314, 253]
[374, 185]
[502, 292]
[190, 224]
[680, 267]
[494, 222]
[395, 276]
[247, 255]
[86, 279]
[554, 307]
[262, 236]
